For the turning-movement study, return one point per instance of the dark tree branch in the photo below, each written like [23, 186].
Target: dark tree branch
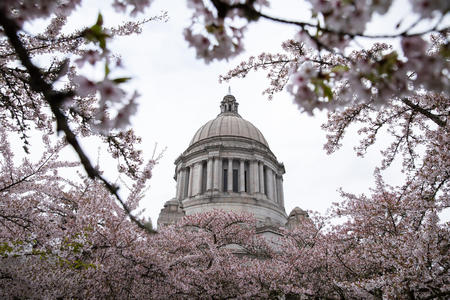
[253, 14]
[424, 112]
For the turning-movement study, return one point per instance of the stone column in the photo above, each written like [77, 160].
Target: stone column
[281, 199]
[241, 176]
[217, 171]
[230, 175]
[191, 175]
[194, 174]
[209, 174]
[199, 178]
[179, 184]
[277, 185]
[183, 183]
[261, 177]
[269, 175]
[275, 190]
[254, 178]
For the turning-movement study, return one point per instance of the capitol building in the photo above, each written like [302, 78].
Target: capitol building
[228, 165]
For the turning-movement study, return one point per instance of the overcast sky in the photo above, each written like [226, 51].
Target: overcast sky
[180, 93]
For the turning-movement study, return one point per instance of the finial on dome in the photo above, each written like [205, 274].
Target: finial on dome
[229, 104]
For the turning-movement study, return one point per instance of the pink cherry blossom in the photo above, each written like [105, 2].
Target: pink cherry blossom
[91, 56]
[86, 87]
[110, 92]
[414, 47]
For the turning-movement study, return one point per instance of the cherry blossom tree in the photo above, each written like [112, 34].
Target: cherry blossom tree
[215, 254]
[36, 95]
[392, 243]
[61, 238]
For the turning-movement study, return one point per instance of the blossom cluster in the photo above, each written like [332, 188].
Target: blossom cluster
[331, 81]
[95, 52]
[91, 107]
[321, 73]
[23, 11]
[217, 33]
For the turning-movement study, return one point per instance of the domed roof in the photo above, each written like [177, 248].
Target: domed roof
[298, 211]
[229, 123]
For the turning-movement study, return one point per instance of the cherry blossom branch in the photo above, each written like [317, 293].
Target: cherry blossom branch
[52, 42]
[424, 112]
[242, 72]
[34, 172]
[55, 99]
[252, 14]
[352, 35]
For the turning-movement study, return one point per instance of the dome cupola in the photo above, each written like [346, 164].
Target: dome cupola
[229, 105]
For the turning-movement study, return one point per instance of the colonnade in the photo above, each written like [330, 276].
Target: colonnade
[230, 175]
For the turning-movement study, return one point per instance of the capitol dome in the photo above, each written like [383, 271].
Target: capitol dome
[229, 123]
[228, 165]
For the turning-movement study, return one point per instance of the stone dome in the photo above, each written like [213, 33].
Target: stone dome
[229, 124]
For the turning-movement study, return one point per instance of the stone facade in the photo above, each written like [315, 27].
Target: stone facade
[296, 218]
[171, 213]
[228, 165]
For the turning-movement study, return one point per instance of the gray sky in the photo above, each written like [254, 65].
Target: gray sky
[180, 93]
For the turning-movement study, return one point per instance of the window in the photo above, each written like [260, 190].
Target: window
[245, 181]
[204, 176]
[225, 180]
[235, 180]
